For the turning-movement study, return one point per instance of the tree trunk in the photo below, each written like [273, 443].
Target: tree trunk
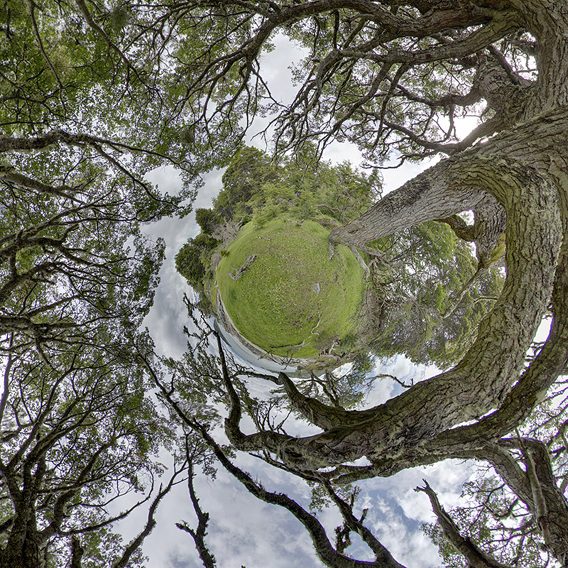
[515, 168]
[525, 169]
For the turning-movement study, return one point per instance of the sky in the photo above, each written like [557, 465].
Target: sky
[243, 530]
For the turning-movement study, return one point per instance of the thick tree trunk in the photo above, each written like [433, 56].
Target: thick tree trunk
[524, 168]
[426, 197]
[516, 170]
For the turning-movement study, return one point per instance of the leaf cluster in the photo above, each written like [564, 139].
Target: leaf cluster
[258, 189]
[427, 266]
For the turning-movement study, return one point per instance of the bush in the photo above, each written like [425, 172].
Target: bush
[188, 263]
[204, 242]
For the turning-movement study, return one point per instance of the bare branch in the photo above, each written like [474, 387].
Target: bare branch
[200, 533]
[135, 544]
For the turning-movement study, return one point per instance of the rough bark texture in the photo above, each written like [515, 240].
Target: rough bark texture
[511, 171]
[524, 169]
[477, 384]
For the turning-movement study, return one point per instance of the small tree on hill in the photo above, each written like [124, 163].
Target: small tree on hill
[206, 219]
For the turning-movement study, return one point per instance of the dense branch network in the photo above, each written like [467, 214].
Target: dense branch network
[506, 457]
[393, 78]
[363, 80]
[180, 83]
[77, 276]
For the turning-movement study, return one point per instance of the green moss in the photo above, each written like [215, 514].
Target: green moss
[275, 303]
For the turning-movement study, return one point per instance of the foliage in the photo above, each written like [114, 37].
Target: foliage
[259, 189]
[427, 266]
[491, 511]
[249, 170]
[193, 259]
[206, 219]
[109, 92]
[393, 77]
[72, 261]
[493, 516]
[77, 278]
[188, 263]
[82, 124]
[300, 186]
[77, 436]
[305, 190]
[345, 386]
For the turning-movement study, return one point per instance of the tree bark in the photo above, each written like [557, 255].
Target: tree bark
[475, 557]
[518, 175]
[552, 514]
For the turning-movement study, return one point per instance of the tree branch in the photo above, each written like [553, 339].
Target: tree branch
[122, 562]
[472, 553]
[200, 533]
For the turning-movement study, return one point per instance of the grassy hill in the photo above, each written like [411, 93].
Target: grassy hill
[292, 294]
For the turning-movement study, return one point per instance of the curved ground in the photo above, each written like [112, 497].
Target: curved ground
[292, 297]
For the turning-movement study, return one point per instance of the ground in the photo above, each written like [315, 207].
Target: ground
[292, 296]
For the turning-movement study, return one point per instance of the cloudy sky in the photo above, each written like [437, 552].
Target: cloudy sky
[244, 531]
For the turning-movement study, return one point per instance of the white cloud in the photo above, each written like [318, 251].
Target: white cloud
[169, 314]
[242, 529]
[381, 392]
[338, 152]
[446, 478]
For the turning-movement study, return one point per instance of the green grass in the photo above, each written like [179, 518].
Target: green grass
[273, 304]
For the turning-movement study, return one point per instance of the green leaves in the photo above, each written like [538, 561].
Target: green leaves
[428, 266]
[81, 116]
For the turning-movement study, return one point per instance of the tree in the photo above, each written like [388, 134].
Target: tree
[206, 219]
[193, 258]
[532, 503]
[428, 295]
[510, 505]
[257, 189]
[78, 116]
[77, 437]
[76, 280]
[248, 171]
[363, 86]
[304, 188]
[425, 295]
[393, 77]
